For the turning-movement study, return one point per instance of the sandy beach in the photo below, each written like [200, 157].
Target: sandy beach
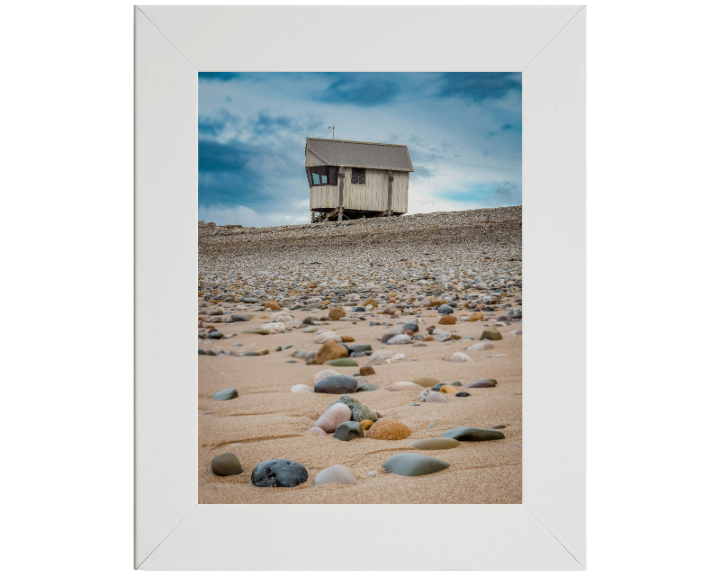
[409, 266]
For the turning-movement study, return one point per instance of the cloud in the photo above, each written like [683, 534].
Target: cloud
[247, 217]
[478, 87]
[359, 89]
[504, 128]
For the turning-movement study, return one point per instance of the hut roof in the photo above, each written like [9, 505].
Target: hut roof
[361, 154]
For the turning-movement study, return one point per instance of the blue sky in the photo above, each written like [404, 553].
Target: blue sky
[463, 131]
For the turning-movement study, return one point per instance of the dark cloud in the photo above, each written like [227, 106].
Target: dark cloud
[218, 76]
[479, 86]
[210, 127]
[359, 89]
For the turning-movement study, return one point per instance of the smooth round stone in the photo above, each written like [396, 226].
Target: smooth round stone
[336, 384]
[337, 474]
[457, 384]
[323, 373]
[400, 339]
[447, 389]
[473, 434]
[359, 411]
[201, 352]
[401, 386]
[437, 386]
[491, 333]
[498, 426]
[414, 465]
[415, 404]
[360, 348]
[366, 424]
[206, 412]
[460, 357]
[367, 371]
[445, 309]
[310, 330]
[341, 362]
[435, 397]
[410, 326]
[302, 389]
[426, 382]
[485, 383]
[435, 444]
[210, 353]
[462, 394]
[333, 417]
[386, 429]
[372, 473]
[318, 431]
[358, 309]
[281, 473]
[348, 431]
[257, 331]
[367, 387]
[215, 335]
[226, 464]
[227, 394]
[325, 336]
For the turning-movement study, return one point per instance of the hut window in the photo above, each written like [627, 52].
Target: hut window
[322, 176]
[358, 176]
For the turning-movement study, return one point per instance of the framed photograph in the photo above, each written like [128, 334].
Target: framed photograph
[369, 200]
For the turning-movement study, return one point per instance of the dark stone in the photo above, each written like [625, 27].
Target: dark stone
[437, 387]
[226, 464]
[360, 348]
[498, 426]
[358, 309]
[210, 352]
[462, 394]
[227, 394]
[257, 331]
[410, 326]
[445, 309]
[309, 321]
[240, 317]
[457, 384]
[473, 434]
[279, 473]
[201, 352]
[484, 383]
[414, 465]
[348, 431]
[336, 384]
[251, 354]
[215, 335]
[359, 411]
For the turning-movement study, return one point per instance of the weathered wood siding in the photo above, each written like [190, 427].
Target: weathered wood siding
[371, 196]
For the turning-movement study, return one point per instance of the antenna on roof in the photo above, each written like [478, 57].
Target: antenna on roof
[333, 129]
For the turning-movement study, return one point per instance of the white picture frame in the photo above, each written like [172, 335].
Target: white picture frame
[172, 531]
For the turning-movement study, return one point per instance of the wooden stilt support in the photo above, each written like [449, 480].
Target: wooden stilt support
[389, 198]
[341, 181]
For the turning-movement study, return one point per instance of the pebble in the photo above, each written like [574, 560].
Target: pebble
[366, 424]
[318, 431]
[325, 336]
[257, 331]
[400, 339]
[336, 313]
[335, 415]
[349, 431]
[372, 473]
[336, 384]
[426, 382]
[460, 357]
[447, 389]
[323, 373]
[367, 371]
[206, 412]
[302, 389]
[484, 383]
[226, 464]
[473, 434]
[415, 404]
[414, 465]
[359, 411]
[462, 394]
[337, 474]
[435, 397]
[435, 444]
[386, 429]
[281, 473]
[491, 333]
[330, 350]
[445, 310]
[498, 427]
[448, 320]
[341, 362]
[367, 387]
[227, 394]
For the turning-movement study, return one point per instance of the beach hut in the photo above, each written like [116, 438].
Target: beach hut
[351, 180]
